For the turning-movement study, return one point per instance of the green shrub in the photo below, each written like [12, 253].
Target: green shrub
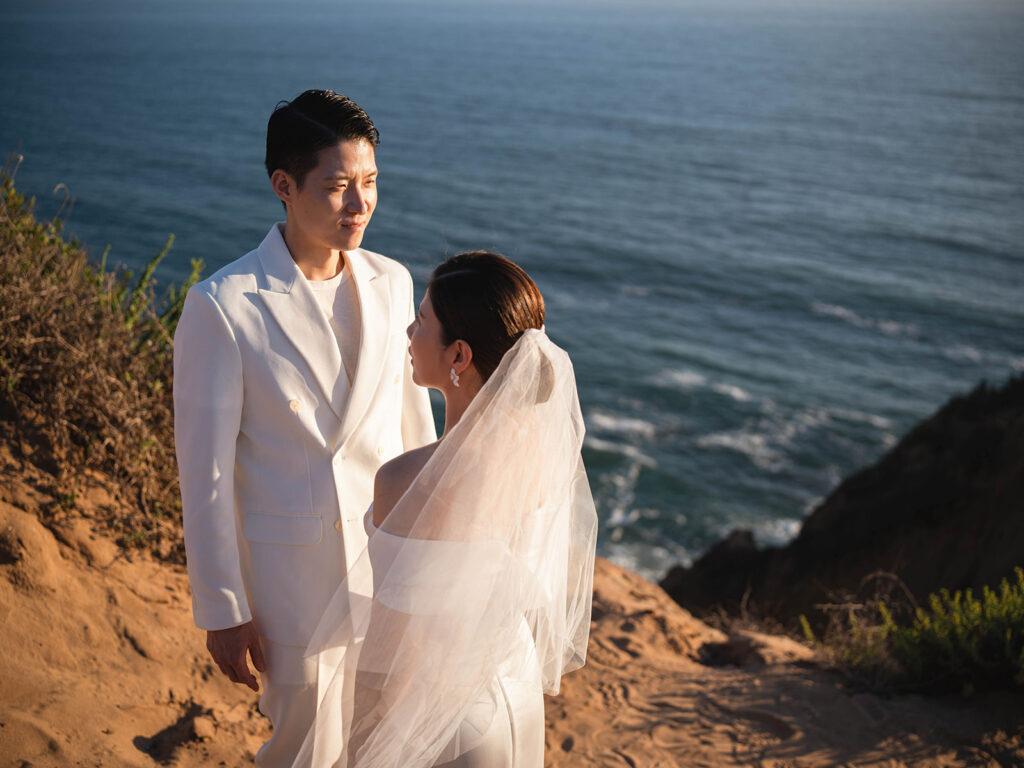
[962, 641]
[86, 365]
[956, 642]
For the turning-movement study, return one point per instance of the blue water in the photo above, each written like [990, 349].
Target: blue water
[772, 234]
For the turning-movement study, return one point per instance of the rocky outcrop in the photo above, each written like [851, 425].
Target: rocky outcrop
[944, 508]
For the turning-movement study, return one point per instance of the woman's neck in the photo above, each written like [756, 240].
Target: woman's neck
[456, 401]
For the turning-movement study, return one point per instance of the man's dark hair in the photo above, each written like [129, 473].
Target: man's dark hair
[314, 120]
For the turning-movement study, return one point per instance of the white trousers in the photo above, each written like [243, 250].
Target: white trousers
[289, 699]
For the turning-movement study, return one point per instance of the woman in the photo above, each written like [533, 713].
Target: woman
[473, 597]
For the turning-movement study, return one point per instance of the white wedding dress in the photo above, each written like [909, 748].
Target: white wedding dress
[473, 596]
[505, 724]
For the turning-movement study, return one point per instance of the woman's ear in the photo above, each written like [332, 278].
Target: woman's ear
[463, 356]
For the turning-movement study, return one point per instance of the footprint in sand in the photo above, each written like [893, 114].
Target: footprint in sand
[765, 721]
[671, 737]
[624, 644]
[676, 709]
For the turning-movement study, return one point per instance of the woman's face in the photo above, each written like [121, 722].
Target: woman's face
[430, 356]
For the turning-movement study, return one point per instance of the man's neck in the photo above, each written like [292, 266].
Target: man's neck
[313, 260]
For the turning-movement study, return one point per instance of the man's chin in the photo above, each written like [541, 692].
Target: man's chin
[346, 243]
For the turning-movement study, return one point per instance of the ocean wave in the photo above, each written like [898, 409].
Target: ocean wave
[777, 532]
[887, 327]
[687, 379]
[738, 394]
[754, 445]
[785, 431]
[615, 496]
[601, 421]
[848, 414]
[965, 352]
[622, 449]
[620, 518]
[766, 440]
[652, 561]
[983, 356]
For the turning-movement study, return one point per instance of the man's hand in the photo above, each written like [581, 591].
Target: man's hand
[228, 648]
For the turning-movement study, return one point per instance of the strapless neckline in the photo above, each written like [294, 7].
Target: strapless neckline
[368, 525]
[372, 528]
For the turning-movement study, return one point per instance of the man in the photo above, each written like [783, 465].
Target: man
[292, 385]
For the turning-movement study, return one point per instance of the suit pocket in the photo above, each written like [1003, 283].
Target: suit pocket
[282, 529]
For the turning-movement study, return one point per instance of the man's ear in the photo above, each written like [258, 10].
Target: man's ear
[463, 356]
[284, 185]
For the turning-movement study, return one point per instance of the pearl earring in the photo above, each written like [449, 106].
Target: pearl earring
[455, 377]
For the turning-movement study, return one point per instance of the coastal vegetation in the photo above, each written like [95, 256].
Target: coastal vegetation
[955, 642]
[85, 371]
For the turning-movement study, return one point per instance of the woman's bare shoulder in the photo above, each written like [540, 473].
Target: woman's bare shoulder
[394, 478]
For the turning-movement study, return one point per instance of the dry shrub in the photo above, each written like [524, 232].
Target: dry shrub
[85, 371]
[851, 635]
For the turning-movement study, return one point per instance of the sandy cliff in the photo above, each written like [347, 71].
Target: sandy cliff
[102, 667]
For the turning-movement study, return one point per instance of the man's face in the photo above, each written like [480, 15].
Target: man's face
[337, 197]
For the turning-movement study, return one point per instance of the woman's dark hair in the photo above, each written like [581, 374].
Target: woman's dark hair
[314, 120]
[487, 301]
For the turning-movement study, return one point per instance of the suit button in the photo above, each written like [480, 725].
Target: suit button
[380, 451]
[295, 405]
[337, 526]
[337, 460]
[397, 378]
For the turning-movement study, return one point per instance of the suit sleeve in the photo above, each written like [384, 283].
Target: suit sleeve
[417, 417]
[207, 416]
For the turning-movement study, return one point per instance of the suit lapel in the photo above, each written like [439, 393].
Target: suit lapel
[373, 294]
[295, 309]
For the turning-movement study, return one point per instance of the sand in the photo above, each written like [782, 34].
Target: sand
[102, 666]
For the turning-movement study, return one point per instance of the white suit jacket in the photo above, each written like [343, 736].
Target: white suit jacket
[275, 477]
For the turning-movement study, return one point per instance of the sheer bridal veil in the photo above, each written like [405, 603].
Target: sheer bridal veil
[483, 568]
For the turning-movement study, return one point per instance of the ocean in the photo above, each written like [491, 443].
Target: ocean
[772, 234]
